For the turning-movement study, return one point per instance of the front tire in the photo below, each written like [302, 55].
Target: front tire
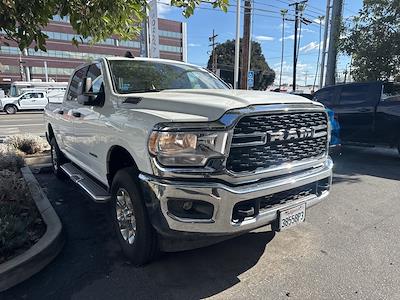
[131, 223]
[57, 159]
[10, 109]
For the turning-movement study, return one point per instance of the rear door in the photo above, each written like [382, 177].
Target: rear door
[388, 114]
[356, 111]
[40, 100]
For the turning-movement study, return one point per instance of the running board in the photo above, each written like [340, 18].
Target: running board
[95, 191]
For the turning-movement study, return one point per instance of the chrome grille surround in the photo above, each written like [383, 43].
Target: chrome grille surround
[264, 141]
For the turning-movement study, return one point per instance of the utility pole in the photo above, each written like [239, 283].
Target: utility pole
[214, 55]
[333, 41]
[27, 70]
[327, 20]
[237, 47]
[296, 28]
[246, 44]
[320, 18]
[305, 78]
[283, 14]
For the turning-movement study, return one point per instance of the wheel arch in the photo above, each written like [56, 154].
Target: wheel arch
[118, 157]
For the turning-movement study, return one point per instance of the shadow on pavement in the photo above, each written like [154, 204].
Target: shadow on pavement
[356, 161]
[91, 265]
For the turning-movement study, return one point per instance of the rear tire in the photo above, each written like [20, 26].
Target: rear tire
[10, 109]
[134, 231]
[57, 159]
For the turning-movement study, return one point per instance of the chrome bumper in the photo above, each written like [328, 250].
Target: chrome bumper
[224, 197]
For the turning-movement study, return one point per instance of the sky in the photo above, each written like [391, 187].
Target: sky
[266, 29]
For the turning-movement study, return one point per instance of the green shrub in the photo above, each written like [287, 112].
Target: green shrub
[20, 223]
[10, 159]
[27, 143]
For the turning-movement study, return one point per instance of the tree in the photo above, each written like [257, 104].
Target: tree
[263, 74]
[373, 40]
[23, 20]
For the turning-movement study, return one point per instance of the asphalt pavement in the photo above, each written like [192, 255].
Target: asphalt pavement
[348, 248]
[22, 122]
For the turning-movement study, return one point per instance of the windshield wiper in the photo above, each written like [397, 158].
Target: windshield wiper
[152, 90]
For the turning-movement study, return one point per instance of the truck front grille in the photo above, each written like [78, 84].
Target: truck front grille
[255, 145]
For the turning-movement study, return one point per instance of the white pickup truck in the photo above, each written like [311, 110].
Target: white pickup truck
[183, 160]
[35, 100]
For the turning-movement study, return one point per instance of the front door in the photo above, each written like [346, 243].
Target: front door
[87, 126]
[65, 137]
[356, 111]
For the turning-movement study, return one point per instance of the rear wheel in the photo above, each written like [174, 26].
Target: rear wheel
[131, 223]
[10, 109]
[57, 159]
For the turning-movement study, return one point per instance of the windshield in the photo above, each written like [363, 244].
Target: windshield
[131, 76]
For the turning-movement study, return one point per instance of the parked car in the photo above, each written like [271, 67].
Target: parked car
[26, 101]
[183, 160]
[368, 113]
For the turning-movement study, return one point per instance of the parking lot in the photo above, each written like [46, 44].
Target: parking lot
[22, 122]
[347, 249]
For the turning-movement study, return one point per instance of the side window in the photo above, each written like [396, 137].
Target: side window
[94, 73]
[391, 92]
[325, 96]
[354, 94]
[76, 84]
[40, 95]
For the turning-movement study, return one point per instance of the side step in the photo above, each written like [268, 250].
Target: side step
[95, 191]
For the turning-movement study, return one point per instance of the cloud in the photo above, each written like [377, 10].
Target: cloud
[309, 47]
[194, 45]
[264, 38]
[163, 8]
[317, 21]
[290, 37]
[307, 30]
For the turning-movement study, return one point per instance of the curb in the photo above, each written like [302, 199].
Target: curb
[37, 159]
[44, 251]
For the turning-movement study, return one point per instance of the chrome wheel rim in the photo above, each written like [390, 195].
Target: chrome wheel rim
[125, 216]
[54, 158]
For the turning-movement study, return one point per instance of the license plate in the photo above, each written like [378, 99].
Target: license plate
[292, 216]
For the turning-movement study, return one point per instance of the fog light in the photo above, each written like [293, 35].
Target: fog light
[193, 209]
[187, 205]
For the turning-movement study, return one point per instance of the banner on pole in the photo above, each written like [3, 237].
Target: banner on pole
[154, 45]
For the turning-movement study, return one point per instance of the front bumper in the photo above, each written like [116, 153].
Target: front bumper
[224, 197]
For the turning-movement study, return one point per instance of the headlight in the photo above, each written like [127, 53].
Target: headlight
[182, 149]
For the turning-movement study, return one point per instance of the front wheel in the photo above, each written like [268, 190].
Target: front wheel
[10, 109]
[131, 223]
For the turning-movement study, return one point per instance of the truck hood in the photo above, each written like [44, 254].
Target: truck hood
[7, 100]
[207, 105]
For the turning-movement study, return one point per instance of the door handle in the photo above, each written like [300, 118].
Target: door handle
[76, 114]
[61, 112]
